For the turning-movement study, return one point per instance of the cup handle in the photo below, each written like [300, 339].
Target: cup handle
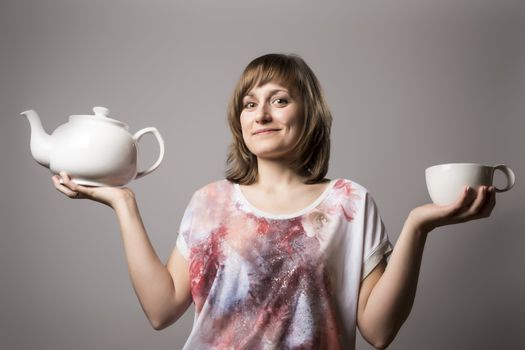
[138, 135]
[510, 177]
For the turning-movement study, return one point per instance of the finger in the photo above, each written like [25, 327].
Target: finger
[80, 191]
[478, 203]
[66, 180]
[490, 203]
[64, 189]
[462, 202]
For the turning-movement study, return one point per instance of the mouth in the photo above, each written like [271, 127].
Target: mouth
[265, 131]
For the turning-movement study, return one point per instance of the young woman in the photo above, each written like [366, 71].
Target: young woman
[276, 256]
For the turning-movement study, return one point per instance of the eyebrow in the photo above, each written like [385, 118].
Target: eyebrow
[272, 92]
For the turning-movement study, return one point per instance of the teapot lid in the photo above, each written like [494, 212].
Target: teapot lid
[101, 114]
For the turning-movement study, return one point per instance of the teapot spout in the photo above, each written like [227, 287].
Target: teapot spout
[40, 140]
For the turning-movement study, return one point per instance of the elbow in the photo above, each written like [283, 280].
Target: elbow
[384, 336]
[158, 325]
[160, 322]
[165, 318]
[382, 343]
[378, 340]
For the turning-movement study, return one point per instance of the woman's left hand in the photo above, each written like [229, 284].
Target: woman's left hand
[470, 205]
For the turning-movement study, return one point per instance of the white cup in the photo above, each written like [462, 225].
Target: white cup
[446, 181]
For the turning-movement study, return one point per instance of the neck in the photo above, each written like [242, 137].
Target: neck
[276, 175]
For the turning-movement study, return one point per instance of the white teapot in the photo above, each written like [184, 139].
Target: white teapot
[93, 149]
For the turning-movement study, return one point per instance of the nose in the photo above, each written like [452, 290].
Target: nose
[263, 115]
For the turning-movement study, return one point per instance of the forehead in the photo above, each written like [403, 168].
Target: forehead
[267, 88]
[271, 86]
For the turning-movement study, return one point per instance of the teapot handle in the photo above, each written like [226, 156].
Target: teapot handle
[138, 135]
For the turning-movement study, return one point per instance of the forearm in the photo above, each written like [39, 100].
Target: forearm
[150, 278]
[391, 299]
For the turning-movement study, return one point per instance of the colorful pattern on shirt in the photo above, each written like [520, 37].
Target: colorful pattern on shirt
[260, 282]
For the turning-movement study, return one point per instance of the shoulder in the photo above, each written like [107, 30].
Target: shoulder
[349, 186]
[350, 193]
[213, 186]
[213, 191]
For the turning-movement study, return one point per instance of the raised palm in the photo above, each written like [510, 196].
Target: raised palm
[109, 196]
[470, 205]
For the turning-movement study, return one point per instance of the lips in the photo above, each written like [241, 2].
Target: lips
[265, 131]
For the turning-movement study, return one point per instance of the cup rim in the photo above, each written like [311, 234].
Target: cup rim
[448, 164]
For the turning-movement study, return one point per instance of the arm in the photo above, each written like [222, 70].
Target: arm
[163, 291]
[387, 293]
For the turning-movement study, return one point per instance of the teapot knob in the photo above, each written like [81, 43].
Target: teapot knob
[101, 111]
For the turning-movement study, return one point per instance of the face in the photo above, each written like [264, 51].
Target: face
[271, 120]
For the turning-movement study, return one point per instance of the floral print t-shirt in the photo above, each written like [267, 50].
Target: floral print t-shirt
[273, 281]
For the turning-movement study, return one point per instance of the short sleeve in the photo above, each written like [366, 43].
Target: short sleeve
[376, 243]
[182, 247]
[184, 230]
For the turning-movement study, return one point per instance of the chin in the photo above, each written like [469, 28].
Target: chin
[270, 155]
[269, 152]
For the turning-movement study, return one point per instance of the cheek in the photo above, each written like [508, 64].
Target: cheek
[245, 118]
[244, 124]
[291, 120]
[245, 129]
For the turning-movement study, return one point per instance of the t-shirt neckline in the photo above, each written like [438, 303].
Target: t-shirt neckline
[298, 213]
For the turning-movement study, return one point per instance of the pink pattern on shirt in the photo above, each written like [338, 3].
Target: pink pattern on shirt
[266, 281]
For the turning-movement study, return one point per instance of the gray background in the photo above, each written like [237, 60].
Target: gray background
[410, 84]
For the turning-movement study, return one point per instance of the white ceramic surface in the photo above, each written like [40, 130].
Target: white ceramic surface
[446, 181]
[93, 149]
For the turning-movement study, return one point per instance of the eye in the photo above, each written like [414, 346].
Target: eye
[249, 105]
[281, 101]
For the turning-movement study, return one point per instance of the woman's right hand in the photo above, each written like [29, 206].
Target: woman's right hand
[109, 196]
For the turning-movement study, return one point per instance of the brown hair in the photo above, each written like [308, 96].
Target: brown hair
[313, 147]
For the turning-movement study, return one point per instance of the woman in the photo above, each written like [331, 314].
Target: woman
[276, 255]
